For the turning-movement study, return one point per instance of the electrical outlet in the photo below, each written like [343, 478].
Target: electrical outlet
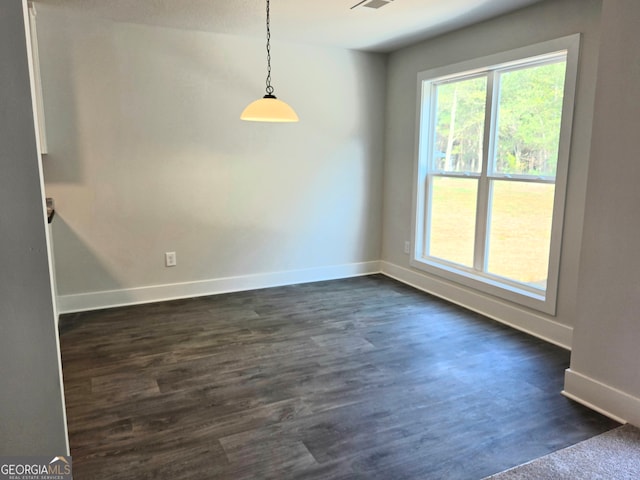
[170, 259]
[407, 247]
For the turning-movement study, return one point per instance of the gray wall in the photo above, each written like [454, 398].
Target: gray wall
[605, 365]
[147, 154]
[544, 21]
[32, 420]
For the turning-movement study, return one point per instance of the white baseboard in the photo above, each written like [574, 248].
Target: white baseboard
[603, 398]
[157, 293]
[504, 312]
[526, 321]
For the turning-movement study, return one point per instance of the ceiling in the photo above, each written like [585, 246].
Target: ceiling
[322, 22]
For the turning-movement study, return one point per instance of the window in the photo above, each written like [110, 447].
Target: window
[492, 159]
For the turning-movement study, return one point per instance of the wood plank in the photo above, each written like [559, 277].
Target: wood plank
[360, 378]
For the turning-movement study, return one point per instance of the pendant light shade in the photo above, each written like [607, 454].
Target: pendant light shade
[269, 108]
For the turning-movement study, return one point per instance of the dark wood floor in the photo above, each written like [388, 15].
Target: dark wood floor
[352, 379]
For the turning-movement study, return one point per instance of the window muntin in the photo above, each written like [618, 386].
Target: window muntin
[509, 173]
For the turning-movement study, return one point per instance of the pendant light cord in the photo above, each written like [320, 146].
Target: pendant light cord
[269, 87]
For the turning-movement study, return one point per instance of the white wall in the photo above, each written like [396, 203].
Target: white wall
[32, 420]
[148, 155]
[544, 21]
[605, 364]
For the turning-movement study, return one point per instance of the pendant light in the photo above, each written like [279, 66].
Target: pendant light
[269, 108]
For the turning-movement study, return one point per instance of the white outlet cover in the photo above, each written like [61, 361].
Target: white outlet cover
[170, 259]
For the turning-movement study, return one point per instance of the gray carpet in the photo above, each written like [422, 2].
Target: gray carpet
[613, 455]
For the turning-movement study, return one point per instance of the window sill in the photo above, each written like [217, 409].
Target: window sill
[535, 300]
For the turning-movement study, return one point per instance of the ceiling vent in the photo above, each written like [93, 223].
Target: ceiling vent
[372, 3]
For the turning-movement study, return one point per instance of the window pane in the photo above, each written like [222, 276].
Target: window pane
[453, 219]
[529, 114]
[520, 231]
[460, 125]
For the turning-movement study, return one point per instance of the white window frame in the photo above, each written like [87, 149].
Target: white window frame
[541, 300]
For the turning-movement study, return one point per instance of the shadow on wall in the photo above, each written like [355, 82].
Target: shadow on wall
[72, 273]
[207, 250]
